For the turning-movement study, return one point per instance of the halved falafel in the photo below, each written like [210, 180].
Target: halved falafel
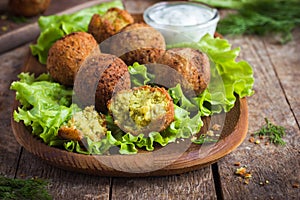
[138, 42]
[67, 54]
[85, 123]
[103, 27]
[192, 65]
[142, 109]
[98, 78]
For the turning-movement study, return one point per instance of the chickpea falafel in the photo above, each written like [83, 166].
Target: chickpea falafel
[99, 77]
[103, 27]
[192, 65]
[28, 8]
[67, 54]
[138, 42]
[142, 109]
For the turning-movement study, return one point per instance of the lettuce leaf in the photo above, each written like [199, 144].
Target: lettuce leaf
[139, 75]
[91, 147]
[54, 27]
[45, 105]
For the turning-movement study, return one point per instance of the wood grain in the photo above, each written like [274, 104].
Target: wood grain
[64, 184]
[9, 149]
[197, 184]
[285, 63]
[274, 69]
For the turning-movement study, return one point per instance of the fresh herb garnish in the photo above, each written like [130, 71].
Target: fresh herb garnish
[19, 19]
[263, 17]
[273, 132]
[203, 138]
[21, 189]
[230, 4]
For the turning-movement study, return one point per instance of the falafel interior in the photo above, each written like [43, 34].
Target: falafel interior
[142, 109]
[86, 123]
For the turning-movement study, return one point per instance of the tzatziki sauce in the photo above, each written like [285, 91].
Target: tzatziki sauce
[181, 15]
[182, 21]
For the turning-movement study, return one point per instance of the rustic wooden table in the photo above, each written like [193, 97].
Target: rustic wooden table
[275, 169]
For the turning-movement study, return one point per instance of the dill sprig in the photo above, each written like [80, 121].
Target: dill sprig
[273, 132]
[21, 189]
[19, 19]
[263, 17]
[203, 138]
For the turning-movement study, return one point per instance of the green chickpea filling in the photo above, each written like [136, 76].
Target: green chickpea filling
[146, 105]
[138, 108]
[88, 122]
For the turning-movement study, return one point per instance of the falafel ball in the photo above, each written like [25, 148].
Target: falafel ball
[28, 8]
[109, 24]
[67, 54]
[138, 42]
[142, 109]
[86, 123]
[192, 65]
[98, 78]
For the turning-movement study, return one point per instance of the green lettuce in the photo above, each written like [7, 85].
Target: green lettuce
[45, 105]
[139, 75]
[89, 148]
[55, 27]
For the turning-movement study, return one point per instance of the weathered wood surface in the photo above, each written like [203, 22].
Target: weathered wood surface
[10, 64]
[276, 69]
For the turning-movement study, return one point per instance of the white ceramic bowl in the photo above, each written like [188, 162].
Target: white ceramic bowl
[181, 21]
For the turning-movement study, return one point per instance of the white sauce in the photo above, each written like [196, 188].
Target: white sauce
[181, 15]
[183, 21]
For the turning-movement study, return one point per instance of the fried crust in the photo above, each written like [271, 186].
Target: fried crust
[138, 42]
[28, 8]
[192, 65]
[99, 77]
[109, 24]
[67, 54]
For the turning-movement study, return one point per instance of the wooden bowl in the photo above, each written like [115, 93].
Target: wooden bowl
[175, 158]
